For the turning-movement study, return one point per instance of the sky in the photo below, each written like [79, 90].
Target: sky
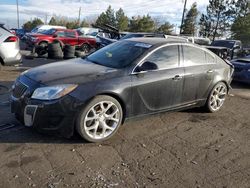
[166, 10]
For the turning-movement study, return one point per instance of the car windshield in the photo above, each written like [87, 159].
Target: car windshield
[119, 54]
[223, 43]
[49, 32]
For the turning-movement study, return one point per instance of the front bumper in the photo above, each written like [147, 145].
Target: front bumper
[51, 117]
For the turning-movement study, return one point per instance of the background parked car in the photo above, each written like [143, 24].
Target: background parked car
[198, 40]
[242, 70]
[9, 47]
[64, 36]
[82, 31]
[40, 29]
[235, 46]
[20, 33]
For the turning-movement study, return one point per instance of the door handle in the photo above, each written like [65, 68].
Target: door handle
[210, 71]
[177, 77]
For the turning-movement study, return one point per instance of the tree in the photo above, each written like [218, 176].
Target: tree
[72, 24]
[32, 24]
[107, 17]
[84, 24]
[205, 26]
[190, 21]
[121, 20]
[141, 24]
[241, 26]
[241, 29]
[240, 7]
[217, 19]
[53, 21]
[166, 28]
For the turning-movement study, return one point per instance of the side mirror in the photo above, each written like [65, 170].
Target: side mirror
[147, 66]
[55, 36]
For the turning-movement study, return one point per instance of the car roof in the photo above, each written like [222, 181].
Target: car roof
[156, 41]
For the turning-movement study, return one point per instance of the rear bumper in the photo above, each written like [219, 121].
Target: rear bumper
[50, 117]
[13, 60]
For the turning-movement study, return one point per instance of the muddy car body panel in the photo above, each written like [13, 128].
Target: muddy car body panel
[178, 85]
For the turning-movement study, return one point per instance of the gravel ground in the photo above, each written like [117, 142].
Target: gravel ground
[178, 149]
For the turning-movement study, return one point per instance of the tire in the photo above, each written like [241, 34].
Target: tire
[55, 51]
[41, 51]
[79, 53]
[216, 97]
[85, 48]
[43, 45]
[54, 46]
[102, 111]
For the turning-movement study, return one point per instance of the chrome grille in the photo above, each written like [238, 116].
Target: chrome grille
[19, 89]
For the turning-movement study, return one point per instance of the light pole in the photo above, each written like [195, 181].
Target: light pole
[17, 12]
[183, 14]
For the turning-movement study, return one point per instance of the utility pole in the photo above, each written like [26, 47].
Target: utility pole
[183, 14]
[79, 16]
[46, 18]
[17, 12]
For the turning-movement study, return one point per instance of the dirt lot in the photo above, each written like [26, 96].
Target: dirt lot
[180, 149]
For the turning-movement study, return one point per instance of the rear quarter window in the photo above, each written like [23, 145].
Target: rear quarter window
[193, 56]
[210, 58]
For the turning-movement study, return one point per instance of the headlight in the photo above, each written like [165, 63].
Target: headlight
[248, 70]
[53, 92]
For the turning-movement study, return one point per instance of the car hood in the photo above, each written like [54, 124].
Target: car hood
[75, 71]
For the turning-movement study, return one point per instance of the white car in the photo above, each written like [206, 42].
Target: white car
[9, 48]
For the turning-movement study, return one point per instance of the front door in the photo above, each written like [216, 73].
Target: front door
[160, 89]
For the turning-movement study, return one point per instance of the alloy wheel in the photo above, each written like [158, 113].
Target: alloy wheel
[218, 97]
[102, 120]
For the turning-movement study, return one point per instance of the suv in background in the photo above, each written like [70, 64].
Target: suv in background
[64, 36]
[9, 47]
[235, 46]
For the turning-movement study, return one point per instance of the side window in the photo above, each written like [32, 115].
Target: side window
[70, 34]
[210, 58]
[193, 56]
[60, 34]
[166, 57]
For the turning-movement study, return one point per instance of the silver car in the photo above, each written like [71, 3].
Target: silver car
[9, 48]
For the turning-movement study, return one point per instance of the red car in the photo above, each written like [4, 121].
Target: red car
[64, 36]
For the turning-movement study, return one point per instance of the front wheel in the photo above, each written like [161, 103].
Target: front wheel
[217, 97]
[100, 119]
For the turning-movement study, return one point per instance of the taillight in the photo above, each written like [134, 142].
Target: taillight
[11, 39]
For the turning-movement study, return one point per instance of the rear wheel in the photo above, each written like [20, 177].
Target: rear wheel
[85, 48]
[217, 97]
[100, 119]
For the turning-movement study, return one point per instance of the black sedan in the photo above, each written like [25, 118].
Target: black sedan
[129, 78]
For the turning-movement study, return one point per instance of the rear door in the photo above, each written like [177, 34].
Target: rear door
[198, 67]
[160, 89]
